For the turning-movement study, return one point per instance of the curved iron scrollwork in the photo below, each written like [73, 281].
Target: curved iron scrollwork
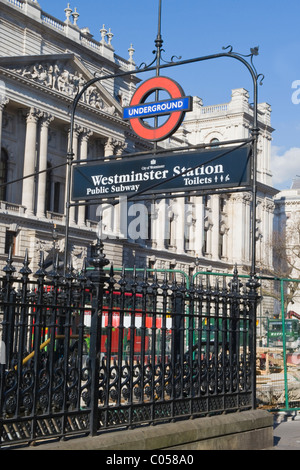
[254, 51]
[174, 59]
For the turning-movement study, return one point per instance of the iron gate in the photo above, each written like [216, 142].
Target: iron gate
[103, 349]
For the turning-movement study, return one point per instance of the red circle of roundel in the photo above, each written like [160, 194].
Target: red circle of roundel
[140, 96]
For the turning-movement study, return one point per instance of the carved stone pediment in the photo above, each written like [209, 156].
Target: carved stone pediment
[65, 74]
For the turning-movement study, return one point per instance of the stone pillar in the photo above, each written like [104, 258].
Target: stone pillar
[83, 156]
[161, 224]
[28, 189]
[110, 213]
[3, 102]
[109, 147]
[198, 232]
[43, 155]
[240, 222]
[180, 224]
[215, 215]
[247, 202]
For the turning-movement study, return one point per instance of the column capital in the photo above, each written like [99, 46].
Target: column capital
[33, 115]
[109, 146]
[77, 130]
[120, 147]
[46, 119]
[3, 102]
[86, 134]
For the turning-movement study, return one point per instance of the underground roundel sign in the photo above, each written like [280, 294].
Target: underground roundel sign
[174, 108]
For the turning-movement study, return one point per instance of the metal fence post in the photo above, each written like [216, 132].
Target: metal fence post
[253, 285]
[178, 339]
[286, 393]
[9, 298]
[97, 277]
[178, 322]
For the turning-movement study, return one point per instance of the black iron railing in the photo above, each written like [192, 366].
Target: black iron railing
[103, 349]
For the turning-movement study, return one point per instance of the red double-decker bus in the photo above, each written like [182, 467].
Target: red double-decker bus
[124, 325]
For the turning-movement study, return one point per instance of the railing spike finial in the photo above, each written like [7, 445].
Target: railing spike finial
[235, 271]
[122, 280]
[41, 272]
[111, 275]
[155, 284]
[25, 270]
[9, 268]
[54, 273]
[235, 283]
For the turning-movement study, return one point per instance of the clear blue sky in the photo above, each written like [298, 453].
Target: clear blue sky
[193, 28]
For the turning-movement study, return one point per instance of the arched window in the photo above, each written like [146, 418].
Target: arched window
[214, 141]
[3, 174]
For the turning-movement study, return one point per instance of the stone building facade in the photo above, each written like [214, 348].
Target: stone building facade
[287, 240]
[44, 62]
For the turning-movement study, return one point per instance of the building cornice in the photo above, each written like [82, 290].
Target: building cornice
[33, 16]
[266, 189]
[112, 116]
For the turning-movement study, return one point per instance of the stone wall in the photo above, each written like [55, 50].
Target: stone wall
[247, 430]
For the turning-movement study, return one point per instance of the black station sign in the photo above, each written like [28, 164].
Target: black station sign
[152, 174]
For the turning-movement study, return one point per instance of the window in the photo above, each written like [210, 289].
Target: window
[170, 231]
[3, 174]
[10, 241]
[206, 201]
[214, 141]
[222, 205]
[52, 197]
[56, 196]
[205, 241]
[221, 245]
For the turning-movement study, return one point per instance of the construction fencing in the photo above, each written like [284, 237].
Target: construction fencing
[278, 345]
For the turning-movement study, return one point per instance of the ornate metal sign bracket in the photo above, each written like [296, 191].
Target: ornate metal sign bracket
[228, 53]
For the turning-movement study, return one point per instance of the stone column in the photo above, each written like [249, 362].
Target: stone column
[240, 221]
[199, 226]
[109, 147]
[161, 224]
[83, 156]
[215, 215]
[180, 224]
[3, 102]
[110, 213]
[247, 202]
[28, 189]
[43, 156]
